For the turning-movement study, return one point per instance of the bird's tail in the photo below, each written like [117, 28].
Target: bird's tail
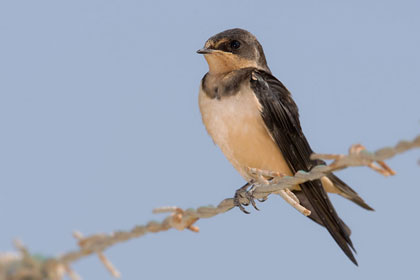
[347, 192]
[314, 216]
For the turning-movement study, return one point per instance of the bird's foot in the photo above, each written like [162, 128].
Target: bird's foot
[264, 177]
[244, 196]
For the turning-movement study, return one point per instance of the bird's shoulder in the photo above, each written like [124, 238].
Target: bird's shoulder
[279, 108]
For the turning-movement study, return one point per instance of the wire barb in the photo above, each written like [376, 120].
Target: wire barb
[292, 199]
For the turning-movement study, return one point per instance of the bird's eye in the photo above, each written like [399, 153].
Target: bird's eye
[235, 45]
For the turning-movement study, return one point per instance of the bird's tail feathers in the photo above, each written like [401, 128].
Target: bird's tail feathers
[348, 192]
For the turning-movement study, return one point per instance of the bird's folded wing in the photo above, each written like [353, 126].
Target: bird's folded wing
[280, 115]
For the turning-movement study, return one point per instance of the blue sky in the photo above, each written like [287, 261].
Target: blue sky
[100, 124]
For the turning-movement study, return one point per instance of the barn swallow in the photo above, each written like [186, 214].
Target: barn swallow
[252, 117]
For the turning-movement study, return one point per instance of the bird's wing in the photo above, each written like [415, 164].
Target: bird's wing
[280, 115]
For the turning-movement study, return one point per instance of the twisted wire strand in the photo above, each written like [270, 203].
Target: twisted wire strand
[18, 266]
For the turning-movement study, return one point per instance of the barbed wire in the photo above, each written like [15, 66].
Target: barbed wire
[22, 265]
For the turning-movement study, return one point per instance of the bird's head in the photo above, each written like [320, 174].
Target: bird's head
[233, 49]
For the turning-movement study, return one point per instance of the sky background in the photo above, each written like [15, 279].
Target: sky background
[100, 124]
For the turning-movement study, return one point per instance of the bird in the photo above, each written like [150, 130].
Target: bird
[255, 122]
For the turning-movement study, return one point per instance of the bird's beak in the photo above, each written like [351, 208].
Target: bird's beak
[205, 51]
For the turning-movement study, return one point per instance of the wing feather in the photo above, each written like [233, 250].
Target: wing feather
[281, 116]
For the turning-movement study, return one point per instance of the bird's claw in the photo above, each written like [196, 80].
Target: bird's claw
[244, 196]
[262, 199]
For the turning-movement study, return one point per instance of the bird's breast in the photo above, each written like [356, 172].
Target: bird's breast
[236, 126]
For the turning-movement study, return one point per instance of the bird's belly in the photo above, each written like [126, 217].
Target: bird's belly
[235, 124]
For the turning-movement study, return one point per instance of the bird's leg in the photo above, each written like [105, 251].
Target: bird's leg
[241, 194]
[292, 199]
[264, 177]
[250, 196]
[246, 193]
